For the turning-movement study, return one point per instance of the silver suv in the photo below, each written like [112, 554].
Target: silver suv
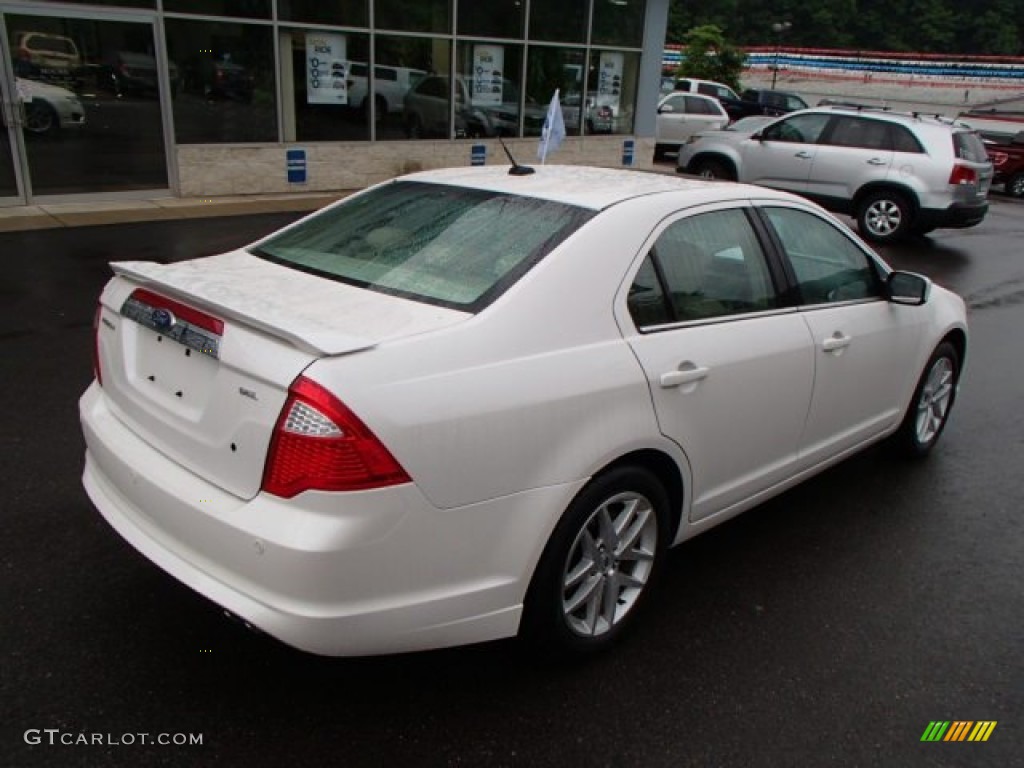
[896, 173]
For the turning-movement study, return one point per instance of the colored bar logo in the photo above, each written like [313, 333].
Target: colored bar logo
[959, 730]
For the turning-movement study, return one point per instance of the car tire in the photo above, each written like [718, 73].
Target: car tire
[1015, 186]
[931, 404]
[591, 579]
[40, 118]
[884, 217]
[709, 168]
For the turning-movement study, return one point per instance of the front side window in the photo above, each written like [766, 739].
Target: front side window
[802, 129]
[828, 265]
[449, 246]
[710, 265]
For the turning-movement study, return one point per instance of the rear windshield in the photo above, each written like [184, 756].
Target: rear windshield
[969, 146]
[451, 246]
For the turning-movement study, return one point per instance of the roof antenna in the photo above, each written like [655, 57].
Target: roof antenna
[516, 169]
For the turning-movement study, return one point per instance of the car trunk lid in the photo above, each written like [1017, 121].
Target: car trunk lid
[197, 357]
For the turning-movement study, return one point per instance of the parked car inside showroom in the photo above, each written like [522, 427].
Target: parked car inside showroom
[467, 404]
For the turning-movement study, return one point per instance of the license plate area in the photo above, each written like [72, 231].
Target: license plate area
[171, 372]
[172, 350]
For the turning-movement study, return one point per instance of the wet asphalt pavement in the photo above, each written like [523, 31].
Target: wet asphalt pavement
[827, 627]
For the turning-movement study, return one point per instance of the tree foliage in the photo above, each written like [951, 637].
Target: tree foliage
[978, 27]
[710, 57]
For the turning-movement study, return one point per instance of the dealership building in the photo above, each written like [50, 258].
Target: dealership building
[206, 98]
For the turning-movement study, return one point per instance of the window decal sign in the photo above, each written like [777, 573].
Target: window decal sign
[609, 81]
[326, 69]
[488, 71]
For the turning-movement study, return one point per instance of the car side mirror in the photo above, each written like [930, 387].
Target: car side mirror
[908, 288]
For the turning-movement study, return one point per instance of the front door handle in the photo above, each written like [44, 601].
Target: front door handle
[876, 161]
[835, 342]
[803, 155]
[683, 376]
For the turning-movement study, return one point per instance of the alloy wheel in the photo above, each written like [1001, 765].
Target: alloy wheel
[609, 564]
[936, 397]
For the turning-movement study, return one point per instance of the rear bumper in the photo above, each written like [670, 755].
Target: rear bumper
[956, 216]
[338, 574]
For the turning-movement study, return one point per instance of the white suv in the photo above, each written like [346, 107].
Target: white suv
[896, 173]
[680, 115]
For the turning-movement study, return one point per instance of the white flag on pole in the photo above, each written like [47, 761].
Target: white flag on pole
[554, 129]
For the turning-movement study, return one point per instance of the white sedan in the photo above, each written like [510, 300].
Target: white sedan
[464, 405]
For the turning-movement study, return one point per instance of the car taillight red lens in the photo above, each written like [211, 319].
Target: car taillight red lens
[319, 444]
[97, 371]
[962, 174]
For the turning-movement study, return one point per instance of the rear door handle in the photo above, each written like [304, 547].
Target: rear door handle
[684, 376]
[804, 155]
[836, 341]
[877, 161]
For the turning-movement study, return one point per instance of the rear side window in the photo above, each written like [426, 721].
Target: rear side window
[698, 106]
[904, 141]
[450, 246]
[702, 267]
[967, 145]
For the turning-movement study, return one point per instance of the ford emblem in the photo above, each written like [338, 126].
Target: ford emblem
[163, 320]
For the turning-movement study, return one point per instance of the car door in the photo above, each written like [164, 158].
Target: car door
[854, 151]
[729, 368]
[862, 342]
[781, 156]
[672, 119]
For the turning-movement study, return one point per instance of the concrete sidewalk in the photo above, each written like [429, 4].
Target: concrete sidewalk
[54, 215]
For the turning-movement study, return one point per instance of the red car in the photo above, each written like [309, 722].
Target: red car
[1008, 163]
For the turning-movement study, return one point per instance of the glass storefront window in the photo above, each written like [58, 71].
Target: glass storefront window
[348, 13]
[498, 18]
[564, 22]
[251, 9]
[487, 91]
[89, 102]
[414, 15]
[619, 23]
[611, 91]
[551, 68]
[419, 96]
[226, 76]
[118, 3]
[325, 89]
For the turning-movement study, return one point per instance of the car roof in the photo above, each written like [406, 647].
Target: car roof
[588, 186]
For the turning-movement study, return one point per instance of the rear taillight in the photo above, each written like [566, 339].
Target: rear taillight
[97, 371]
[963, 174]
[319, 444]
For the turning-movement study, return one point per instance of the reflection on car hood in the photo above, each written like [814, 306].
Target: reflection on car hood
[44, 90]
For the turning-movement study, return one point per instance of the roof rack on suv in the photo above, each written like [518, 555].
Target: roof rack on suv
[851, 105]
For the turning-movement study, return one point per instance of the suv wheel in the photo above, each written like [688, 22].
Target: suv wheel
[883, 217]
[713, 169]
[1015, 186]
